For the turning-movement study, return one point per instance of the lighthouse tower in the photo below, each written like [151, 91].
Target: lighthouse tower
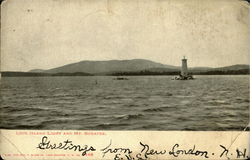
[184, 69]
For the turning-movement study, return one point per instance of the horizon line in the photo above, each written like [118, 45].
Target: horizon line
[121, 60]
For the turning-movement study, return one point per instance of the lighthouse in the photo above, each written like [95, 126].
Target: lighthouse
[184, 75]
[184, 69]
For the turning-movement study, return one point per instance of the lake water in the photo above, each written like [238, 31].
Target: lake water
[140, 103]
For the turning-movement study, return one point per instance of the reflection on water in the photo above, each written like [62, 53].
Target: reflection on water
[140, 103]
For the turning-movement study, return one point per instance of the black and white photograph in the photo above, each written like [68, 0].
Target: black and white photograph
[160, 65]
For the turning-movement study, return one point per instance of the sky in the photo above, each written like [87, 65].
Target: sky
[43, 34]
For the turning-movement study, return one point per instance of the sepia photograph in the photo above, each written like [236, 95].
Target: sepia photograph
[125, 80]
[162, 65]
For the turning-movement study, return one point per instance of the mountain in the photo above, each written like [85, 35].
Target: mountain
[177, 69]
[37, 70]
[94, 67]
[135, 67]
[233, 67]
[198, 69]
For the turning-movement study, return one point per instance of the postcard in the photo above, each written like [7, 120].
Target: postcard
[124, 79]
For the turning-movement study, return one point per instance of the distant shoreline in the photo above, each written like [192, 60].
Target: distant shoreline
[141, 73]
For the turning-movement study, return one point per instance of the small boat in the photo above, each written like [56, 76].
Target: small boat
[121, 78]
